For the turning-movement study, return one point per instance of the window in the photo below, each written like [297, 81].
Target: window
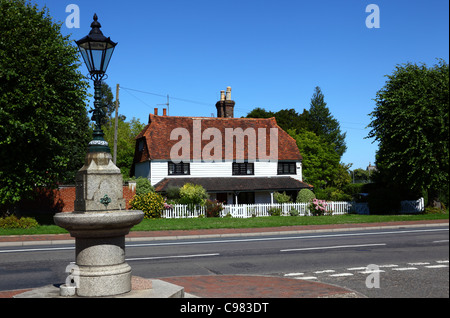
[141, 145]
[181, 168]
[287, 168]
[244, 168]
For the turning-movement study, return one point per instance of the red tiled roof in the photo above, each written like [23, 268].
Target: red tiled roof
[158, 143]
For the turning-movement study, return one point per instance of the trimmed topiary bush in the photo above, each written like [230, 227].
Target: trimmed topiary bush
[305, 196]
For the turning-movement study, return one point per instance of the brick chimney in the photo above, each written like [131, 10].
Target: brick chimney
[225, 106]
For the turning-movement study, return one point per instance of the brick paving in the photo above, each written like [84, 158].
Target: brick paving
[240, 286]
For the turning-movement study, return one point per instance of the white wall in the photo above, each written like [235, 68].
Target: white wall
[158, 170]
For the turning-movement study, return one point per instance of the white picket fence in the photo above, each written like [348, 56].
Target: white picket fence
[178, 211]
[255, 210]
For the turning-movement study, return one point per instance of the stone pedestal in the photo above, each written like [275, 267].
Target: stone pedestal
[99, 225]
[99, 177]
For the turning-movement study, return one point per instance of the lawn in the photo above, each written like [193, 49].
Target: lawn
[259, 222]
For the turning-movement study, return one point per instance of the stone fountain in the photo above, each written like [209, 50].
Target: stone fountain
[100, 220]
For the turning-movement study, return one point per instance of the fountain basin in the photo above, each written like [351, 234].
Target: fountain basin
[100, 268]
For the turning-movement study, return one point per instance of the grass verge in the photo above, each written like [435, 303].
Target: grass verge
[235, 223]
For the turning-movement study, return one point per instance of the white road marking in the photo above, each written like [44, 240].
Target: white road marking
[174, 256]
[371, 272]
[293, 274]
[364, 270]
[436, 266]
[330, 247]
[418, 264]
[387, 266]
[325, 271]
[341, 275]
[357, 268]
[38, 249]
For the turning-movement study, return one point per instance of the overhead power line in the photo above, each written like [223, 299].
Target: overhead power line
[171, 97]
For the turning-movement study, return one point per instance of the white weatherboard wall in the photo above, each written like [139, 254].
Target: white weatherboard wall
[158, 170]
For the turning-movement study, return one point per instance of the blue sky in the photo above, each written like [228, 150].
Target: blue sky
[273, 53]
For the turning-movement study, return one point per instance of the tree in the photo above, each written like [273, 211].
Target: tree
[320, 161]
[107, 103]
[324, 124]
[286, 118]
[260, 113]
[361, 176]
[126, 133]
[411, 124]
[44, 126]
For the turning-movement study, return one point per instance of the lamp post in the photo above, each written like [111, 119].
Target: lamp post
[100, 220]
[96, 50]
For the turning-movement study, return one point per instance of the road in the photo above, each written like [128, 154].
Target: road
[408, 262]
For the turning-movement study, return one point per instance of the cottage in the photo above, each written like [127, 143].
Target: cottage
[237, 160]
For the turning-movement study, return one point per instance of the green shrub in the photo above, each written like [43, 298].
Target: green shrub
[13, 222]
[433, 210]
[274, 211]
[332, 194]
[192, 195]
[293, 212]
[305, 196]
[151, 203]
[173, 193]
[282, 197]
[143, 186]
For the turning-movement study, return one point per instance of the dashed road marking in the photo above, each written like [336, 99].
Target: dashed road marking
[293, 274]
[436, 266]
[341, 275]
[372, 271]
[357, 268]
[366, 270]
[387, 266]
[306, 277]
[325, 271]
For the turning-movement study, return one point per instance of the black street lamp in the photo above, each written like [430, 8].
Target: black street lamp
[96, 50]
